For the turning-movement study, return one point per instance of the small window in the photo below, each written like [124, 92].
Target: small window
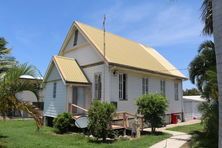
[145, 86]
[98, 86]
[54, 90]
[176, 89]
[123, 86]
[75, 38]
[163, 87]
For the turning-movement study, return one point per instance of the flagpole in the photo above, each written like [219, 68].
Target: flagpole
[104, 54]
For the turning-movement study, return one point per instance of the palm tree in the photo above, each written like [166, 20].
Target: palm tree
[209, 119]
[6, 61]
[11, 84]
[212, 16]
[202, 69]
[207, 17]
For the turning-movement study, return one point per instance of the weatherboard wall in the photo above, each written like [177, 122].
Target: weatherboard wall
[134, 90]
[83, 52]
[57, 105]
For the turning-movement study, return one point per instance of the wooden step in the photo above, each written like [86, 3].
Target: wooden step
[116, 127]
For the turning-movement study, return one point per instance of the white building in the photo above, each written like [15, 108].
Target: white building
[82, 72]
[29, 97]
[190, 106]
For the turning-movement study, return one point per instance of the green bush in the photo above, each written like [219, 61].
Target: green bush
[210, 121]
[62, 123]
[100, 116]
[153, 107]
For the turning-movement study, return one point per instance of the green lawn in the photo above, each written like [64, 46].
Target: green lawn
[188, 128]
[193, 129]
[22, 134]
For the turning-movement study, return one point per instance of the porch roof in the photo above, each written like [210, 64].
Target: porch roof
[70, 70]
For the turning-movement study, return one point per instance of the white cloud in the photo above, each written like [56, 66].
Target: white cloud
[154, 24]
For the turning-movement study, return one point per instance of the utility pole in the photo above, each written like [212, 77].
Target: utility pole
[104, 54]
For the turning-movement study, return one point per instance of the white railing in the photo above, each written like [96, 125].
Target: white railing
[71, 106]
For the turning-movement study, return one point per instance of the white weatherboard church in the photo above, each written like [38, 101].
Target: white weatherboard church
[81, 72]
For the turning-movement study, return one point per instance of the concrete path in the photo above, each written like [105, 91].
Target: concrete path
[177, 139]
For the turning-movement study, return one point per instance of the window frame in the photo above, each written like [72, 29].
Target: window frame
[123, 79]
[163, 87]
[75, 37]
[145, 85]
[54, 91]
[176, 91]
[98, 86]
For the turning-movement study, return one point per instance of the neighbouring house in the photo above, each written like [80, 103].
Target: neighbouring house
[190, 107]
[92, 64]
[29, 97]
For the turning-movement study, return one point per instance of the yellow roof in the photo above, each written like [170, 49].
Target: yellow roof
[70, 70]
[125, 52]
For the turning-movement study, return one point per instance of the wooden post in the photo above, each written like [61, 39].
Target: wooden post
[142, 123]
[71, 109]
[124, 123]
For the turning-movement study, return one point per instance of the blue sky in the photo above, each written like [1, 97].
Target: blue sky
[35, 29]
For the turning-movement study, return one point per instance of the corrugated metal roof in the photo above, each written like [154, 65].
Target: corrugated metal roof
[70, 70]
[194, 98]
[126, 52]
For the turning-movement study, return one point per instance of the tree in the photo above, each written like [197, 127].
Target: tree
[212, 17]
[210, 121]
[201, 69]
[207, 17]
[153, 107]
[6, 61]
[100, 117]
[11, 84]
[191, 92]
[203, 73]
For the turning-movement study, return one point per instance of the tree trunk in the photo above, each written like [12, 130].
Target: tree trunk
[104, 138]
[153, 130]
[217, 26]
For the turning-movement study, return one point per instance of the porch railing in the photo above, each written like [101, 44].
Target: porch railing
[120, 119]
[73, 108]
[124, 118]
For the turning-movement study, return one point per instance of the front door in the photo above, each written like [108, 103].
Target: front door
[78, 98]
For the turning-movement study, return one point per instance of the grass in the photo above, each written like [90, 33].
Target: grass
[22, 134]
[188, 128]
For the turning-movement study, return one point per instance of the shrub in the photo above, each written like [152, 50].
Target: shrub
[100, 116]
[63, 122]
[153, 107]
[210, 120]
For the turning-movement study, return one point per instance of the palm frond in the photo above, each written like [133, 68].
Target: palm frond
[206, 45]
[207, 17]
[200, 67]
[11, 84]
[3, 49]
[6, 61]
